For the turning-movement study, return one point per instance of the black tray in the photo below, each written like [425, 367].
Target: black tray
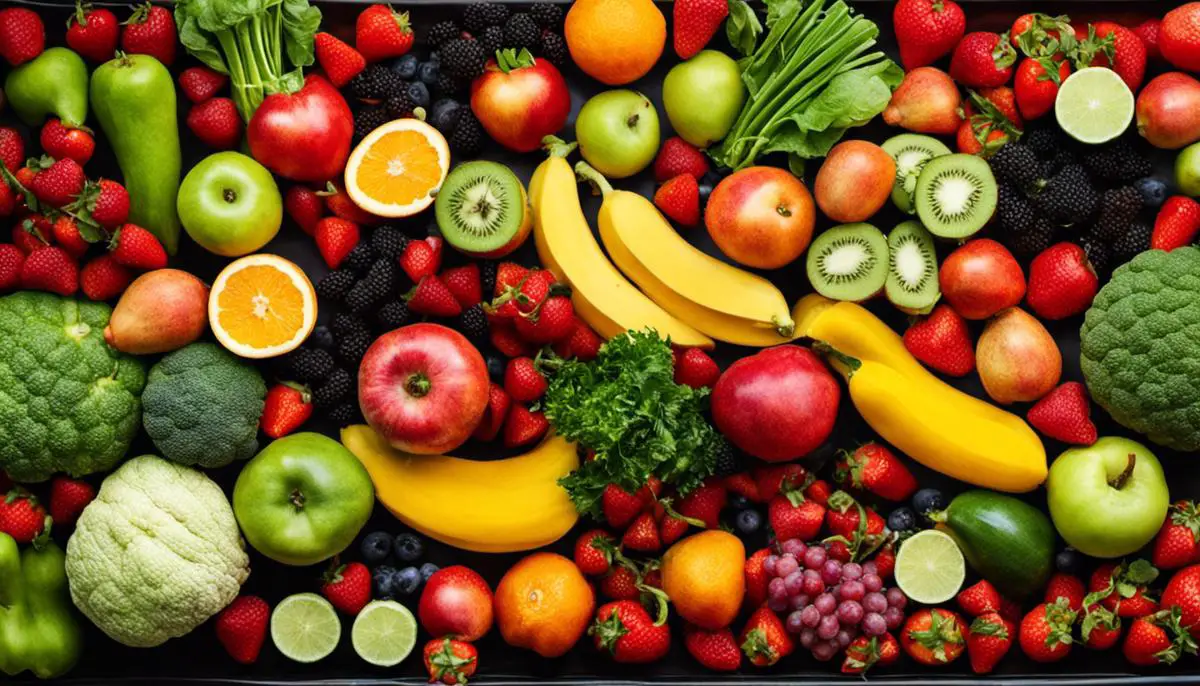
[198, 658]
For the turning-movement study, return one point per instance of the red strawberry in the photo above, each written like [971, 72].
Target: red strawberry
[68, 237]
[1183, 591]
[50, 269]
[1100, 629]
[934, 637]
[201, 83]
[335, 238]
[450, 661]
[1177, 223]
[1062, 282]
[12, 259]
[942, 342]
[927, 30]
[464, 283]
[1179, 37]
[642, 535]
[57, 184]
[980, 599]
[676, 157]
[340, 205]
[695, 24]
[533, 289]
[843, 516]
[552, 320]
[216, 123]
[523, 380]
[595, 551]
[33, 232]
[242, 627]
[624, 630]
[105, 202]
[982, 58]
[340, 61]
[508, 275]
[679, 199]
[1063, 585]
[68, 497]
[348, 587]
[1036, 85]
[671, 527]
[1108, 44]
[8, 200]
[1064, 414]
[1041, 35]
[1158, 639]
[704, 503]
[23, 517]
[744, 485]
[715, 650]
[693, 367]
[59, 141]
[430, 296]
[790, 521]
[865, 652]
[150, 31]
[621, 583]
[12, 146]
[22, 35]
[524, 427]
[104, 278]
[875, 469]
[885, 562]
[764, 639]
[1178, 541]
[305, 208]
[92, 32]
[421, 258]
[505, 339]
[493, 415]
[620, 506]
[787, 479]
[988, 641]
[583, 343]
[1010, 610]
[756, 578]
[286, 409]
[979, 138]
[1004, 100]
[137, 248]
[380, 32]
[1148, 32]
[1122, 588]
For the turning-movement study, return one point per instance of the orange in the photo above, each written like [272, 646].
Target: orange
[543, 603]
[397, 170]
[704, 576]
[262, 306]
[615, 41]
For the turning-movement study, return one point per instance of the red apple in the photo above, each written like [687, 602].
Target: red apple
[761, 217]
[456, 602]
[854, 181]
[981, 278]
[777, 405]
[303, 136]
[1168, 111]
[423, 388]
[520, 99]
[1017, 357]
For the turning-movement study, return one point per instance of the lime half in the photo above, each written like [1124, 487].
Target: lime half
[930, 567]
[305, 627]
[1094, 105]
[384, 633]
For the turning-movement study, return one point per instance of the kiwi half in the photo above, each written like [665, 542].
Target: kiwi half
[482, 209]
[912, 278]
[955, 195]
[910, 151]
[848, 262]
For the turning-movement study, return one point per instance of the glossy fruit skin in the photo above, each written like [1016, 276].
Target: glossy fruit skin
[456, 602]
[1018, 359]
[855, 180]
[703, 97]
[521, 107]
[161, 311]
[1183, 590]
[1179, 37]
[303, 136]
[544, 603]
[618, 132]
[761, 217]
[927, 101]
[981, 278]
[704, 576]
[1168, 111]
[615, 57]
[230, 205]
[1008, 541]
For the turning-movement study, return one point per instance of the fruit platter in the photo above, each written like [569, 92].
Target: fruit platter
[609, 341]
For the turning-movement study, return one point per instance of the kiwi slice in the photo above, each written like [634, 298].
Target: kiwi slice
[910, 151]
[848, 262]
[481, 207]
[912, 278]
[956, 195]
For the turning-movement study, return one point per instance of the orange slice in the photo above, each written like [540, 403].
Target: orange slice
[397, 170]
[262, 306]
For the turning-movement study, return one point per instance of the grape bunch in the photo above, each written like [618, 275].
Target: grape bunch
[828, 603]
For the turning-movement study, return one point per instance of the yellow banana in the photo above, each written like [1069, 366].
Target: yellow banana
[497, 506]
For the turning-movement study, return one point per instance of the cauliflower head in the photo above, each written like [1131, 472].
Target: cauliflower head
[156, 553]
[68, 401]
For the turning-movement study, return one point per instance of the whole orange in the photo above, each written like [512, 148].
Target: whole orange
[615, 41]
[704, 577]
[543, 603]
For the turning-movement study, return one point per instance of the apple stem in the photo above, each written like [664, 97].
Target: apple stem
[417, 385]
[1119, 482]
[297, 499]
[783, 211]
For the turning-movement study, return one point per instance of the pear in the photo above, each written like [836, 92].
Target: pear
[55, 82]
[162, 310]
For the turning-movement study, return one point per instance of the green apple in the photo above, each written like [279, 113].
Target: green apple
[617, 132]
[303, 499]
[1187, 170]
[229, 204]
[703, 97]
[1108, 499]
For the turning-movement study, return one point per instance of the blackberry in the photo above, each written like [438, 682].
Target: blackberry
[344, 414]
[336, 284]
[1068, 197]
[1043, 141]
[463, 58]
[1014, 211]
[727, 460]
[467, 138]
[400, 105]
[1118, 162]
[1119, 208]
[442, 32]
[345, 324]
[1062, 158]
[380, 282]
[419, 94]
[520, 31]
[310, 365]
[473, 324]
[360, 258]
[1016, 164]
[393, 315]
[352, 346]
[447, 85]
[368, 119]
[487, 276]
[491, 40]
[388, 241]
[477, 16]
[443, 115]
[321, 337]
[554, 49]
[1134, 241]
[548, 15]
[1097, 252]
[1036, 237]
[376, 82]
[336, 388]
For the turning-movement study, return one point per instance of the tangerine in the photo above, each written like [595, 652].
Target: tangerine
[543, 603]
[615, 41]
[704, 576]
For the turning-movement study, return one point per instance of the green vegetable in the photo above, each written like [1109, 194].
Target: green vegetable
[742, 28]
[810, 81]
[156, 553]
[68, 401]
[202, 406]
[261, 44]
[134, 100]
[1140, 347]
[626, 406]
[55, 82]
[37, 629]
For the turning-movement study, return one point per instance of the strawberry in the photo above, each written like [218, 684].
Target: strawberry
[347, 587]
[531, 292]
[23, 517]
[340, 205]
[137, 248]
[200, 84]
[104, 202]
[59, 141]
[624, 629]
[523, 380]
[981, 59]
[1004, 100]
[92, 32]
[150, 31]
[286, 409]
[843, 516]
[621, 583]
[865, 652]
[1157, 639]
[12, 259]
[12, 147]
[1063, 585]
[242, 627]
[1041, 35]
[1122, 588]
[450, 661]
[1178, 541]
[430, 296]
[679, 199]
[788, 521]
[505, 339]
[58, 183]
[1064, 414]
[8, 200]
[305, 208]
[32, 232]
[942, 342]
[744, 485]
[979, 138]
[695, 24]
[464, 283]
[216, 123]
[552, 320]
[595, 551]
[980, 599]
[934, 637]
[22, 35]
[68, 237]
[1099, 629]
[523, 426]
[875, 469]
[1009, 609]
[1108, 44]
[1062, 282]
[693, 367]
[704, 503]
[756, 578]
[68, 497]
[50, 269]
[788, 479]
[885, 562]
[671, 527]
[927, 30]
[988, 641]
[422, 258]
[336, 237]
[676, 157]
[715, 650]
[1148, 32]
[494, 414]
[642, 535]
[340, 61]
[819, 492]
[508, 275]
[620, 506]
[1177, 223]
[103, 278]
[1183, 591]
[1036, 85]
[583, 344]
[380, 33]
[764, 640]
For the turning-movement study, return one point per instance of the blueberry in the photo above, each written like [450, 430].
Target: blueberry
[383, 582]
[429, 72]
[427, 570]
[444, 115]
[1153, 191]
[376, 547]
[738, 502]
[902, 519]
[408, 580]
[496, 365]
[928, 500]
[705, 191]
[406, 66]
[322, 337]
[748, 522]
[409, 548]
[1068, 561]
[419, 94]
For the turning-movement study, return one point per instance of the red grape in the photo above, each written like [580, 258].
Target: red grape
[874, 602]
[894, 617]
[794, 547]
[896, 598]
[852, 571]
[808, 637]
[872, 582]
[786, 565]
[851, 590]
[825, 603]
[831, 572]
[828, 627]
[795, 622]
[814, 557]
[850, 613]
[810, 616]
[873, 624]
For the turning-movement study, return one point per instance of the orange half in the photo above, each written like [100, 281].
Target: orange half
[397, 170]
[262, 306]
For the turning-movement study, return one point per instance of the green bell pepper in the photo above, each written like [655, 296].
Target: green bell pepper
[38, 631]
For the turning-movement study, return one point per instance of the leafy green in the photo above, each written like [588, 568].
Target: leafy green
[742, 27]
[626, 406]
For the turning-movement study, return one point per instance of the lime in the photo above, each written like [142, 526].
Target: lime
[384, 633]
[930, 567]
[305, 627]
[1094, 105]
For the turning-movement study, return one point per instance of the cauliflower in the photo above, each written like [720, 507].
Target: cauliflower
[68, 401]
[156, 553]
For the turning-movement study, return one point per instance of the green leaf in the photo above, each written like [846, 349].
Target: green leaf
[300, 24]
[742, 27]
[198, 42]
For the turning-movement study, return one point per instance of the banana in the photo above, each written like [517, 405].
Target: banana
[498, 506]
